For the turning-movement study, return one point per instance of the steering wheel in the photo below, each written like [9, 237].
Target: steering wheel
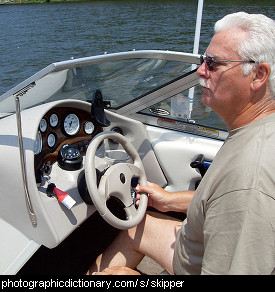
[116, 182]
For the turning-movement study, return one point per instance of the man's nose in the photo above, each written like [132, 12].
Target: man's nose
[202, 70]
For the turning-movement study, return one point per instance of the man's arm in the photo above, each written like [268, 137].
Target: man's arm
[165, 201]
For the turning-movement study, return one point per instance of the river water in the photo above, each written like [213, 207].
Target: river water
[33, 36]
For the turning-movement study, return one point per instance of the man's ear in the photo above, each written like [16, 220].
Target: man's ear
[261, 75]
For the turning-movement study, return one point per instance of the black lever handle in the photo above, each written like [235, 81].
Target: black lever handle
[198, 162]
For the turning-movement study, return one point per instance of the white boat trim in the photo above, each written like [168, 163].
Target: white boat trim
[17, 253]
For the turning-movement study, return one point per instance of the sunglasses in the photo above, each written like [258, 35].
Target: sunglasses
[211, 62]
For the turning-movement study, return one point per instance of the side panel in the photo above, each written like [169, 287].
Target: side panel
[176, 150]
[16, 249]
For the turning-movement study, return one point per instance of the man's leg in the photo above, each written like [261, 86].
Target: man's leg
[155, 237]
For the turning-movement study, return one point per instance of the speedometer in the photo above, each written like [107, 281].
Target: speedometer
[71, 124]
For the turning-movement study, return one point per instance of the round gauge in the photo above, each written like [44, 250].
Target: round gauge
[43, 125]
[89, 127]
[71, 124]
[53, 120]
[38, 143]
[51, 140]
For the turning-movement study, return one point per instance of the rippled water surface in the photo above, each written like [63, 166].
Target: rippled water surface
[33, 36]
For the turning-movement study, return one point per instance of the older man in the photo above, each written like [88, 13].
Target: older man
[230, 221]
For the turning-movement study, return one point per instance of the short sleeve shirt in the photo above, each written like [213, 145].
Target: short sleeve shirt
[230, 224]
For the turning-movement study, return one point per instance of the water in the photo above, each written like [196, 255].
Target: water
[33, 36]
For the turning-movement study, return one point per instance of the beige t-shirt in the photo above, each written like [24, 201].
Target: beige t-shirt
[230, 225]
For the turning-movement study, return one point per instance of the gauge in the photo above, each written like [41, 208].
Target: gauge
[51, 140]
[43, 125]
[53, 120]
[38, 143]
[89, 127]
[71, 124]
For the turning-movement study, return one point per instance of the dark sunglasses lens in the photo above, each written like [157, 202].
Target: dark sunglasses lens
[208, 60]
[209, 63]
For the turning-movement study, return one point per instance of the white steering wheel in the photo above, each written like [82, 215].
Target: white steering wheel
[116, 182]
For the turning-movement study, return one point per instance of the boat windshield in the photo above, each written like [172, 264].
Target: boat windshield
[120, 80]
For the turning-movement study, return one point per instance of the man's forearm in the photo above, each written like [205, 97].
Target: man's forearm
[180, 201]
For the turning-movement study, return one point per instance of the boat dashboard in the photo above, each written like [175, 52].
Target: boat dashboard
[61, 127]
[56, 136]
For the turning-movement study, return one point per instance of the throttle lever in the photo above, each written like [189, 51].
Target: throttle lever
[199, 163]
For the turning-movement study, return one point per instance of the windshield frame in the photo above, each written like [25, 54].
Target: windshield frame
[23, 87]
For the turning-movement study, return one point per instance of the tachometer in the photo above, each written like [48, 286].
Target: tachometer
[71, 124]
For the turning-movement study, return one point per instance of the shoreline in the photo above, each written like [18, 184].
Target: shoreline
[25, 2]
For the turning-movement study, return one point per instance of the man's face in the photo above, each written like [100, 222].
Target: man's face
[228, 92]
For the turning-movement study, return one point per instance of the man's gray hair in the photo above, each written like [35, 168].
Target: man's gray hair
[259, 45]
